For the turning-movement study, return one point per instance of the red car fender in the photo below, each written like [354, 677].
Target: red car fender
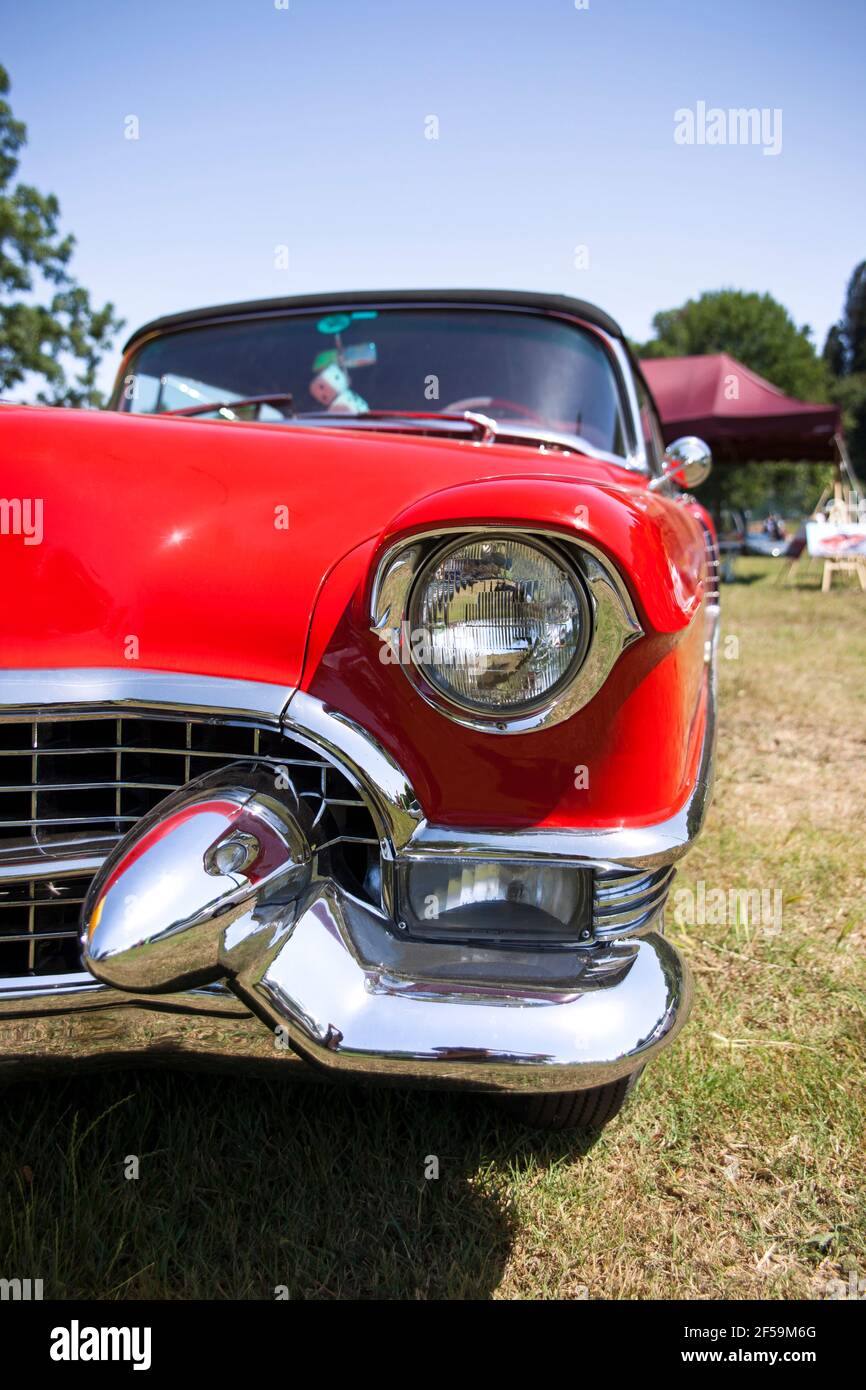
[639, 738]
[658, 551]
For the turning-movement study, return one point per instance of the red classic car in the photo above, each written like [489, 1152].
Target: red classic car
[357, 701]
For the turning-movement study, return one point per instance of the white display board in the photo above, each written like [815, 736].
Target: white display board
[827, 541]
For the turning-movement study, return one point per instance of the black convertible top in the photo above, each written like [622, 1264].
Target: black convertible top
[521, 299]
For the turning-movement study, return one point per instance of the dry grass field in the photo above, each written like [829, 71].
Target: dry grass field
[737, 1170]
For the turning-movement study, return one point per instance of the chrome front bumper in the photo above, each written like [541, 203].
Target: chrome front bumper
[344, 996]
[330, 991]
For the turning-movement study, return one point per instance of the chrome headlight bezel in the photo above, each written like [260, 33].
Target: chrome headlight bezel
[479, 709]
[613, 623]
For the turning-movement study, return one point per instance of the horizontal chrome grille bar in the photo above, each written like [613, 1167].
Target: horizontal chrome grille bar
[9, 901]
[49, 751]
[40, 936]
[66, 820]
[85, 787]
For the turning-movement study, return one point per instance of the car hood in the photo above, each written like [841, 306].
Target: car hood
[200, 546]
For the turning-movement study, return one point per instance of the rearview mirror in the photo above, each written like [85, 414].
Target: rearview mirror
[687, 462]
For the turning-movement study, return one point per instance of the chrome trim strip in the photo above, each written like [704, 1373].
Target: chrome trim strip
[630, 918]
[636, 460]
[628, 888]
[365, 762]
[51, 693]
[625, 912]
[81, 991]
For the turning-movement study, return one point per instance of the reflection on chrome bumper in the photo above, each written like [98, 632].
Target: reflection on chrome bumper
[54, 1028]
[336, 990]
[490, 1020]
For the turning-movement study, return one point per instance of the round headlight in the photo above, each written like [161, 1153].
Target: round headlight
[499, 624]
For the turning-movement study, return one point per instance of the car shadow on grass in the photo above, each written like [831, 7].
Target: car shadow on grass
[169, 1185]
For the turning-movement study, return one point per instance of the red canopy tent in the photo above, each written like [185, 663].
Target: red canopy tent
[738, 413]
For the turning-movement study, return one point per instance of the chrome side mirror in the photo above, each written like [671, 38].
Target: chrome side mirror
[687, 462]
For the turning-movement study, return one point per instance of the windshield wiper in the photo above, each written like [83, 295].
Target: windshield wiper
[467, 422]
[404, 421]
[410, 421]
[551, 439]
[472, 422]
[227, 408]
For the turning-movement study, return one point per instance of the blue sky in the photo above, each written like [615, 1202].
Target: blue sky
[262, 127]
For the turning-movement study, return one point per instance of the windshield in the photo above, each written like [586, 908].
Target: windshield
[524, 370]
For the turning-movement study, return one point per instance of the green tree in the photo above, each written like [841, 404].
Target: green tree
[845, 355]
[758, 331]
[834, 351]
[789, 489]
[52, 339]
[850, 393]
[845, 348]
[754, 328]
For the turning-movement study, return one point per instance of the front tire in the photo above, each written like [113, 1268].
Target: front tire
[577, 1110]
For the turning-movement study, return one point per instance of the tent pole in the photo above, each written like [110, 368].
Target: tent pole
[845, 466]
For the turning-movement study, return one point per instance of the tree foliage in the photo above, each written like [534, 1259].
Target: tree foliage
[845, 356]
[65, 336]
[789, 489]
[758, 331]
[845, 348]
[754, 328]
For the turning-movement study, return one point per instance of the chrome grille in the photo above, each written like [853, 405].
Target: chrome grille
[625, 901]
[71, 788]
